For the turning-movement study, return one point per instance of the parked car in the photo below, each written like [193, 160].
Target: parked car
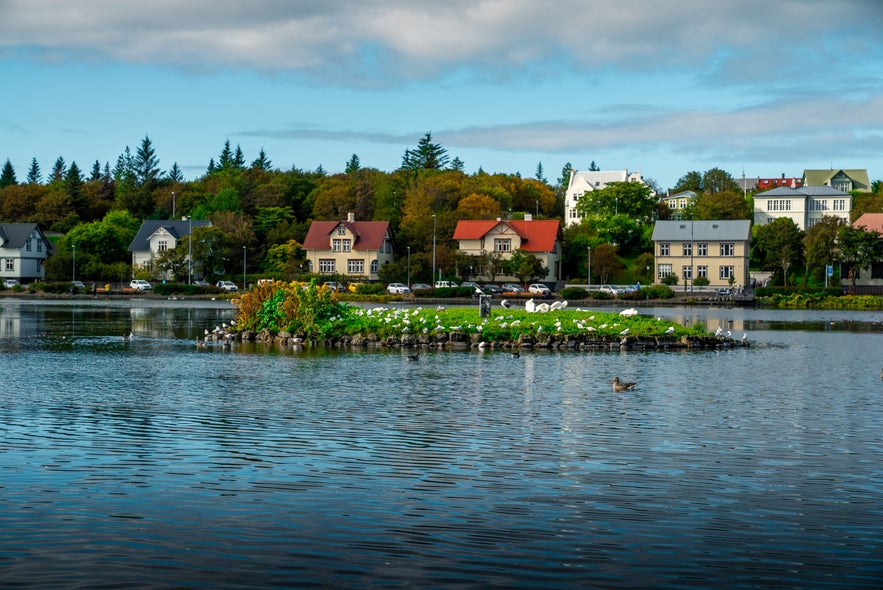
[417, 286]
[540, 289]
[511, 288]
[78, 285]
[611, 290]
[491, 289]
[441, 284]
[335, 286]
[227, 286]
[397, 288]
[201, 283]
[472, 284]
[140, 285]
[10, 283]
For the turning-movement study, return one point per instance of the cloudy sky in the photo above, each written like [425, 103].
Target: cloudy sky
[660, 86]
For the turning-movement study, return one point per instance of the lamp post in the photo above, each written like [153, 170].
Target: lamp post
[189, 249]
[173, 205]
[74, 269]
[409, 267]
[589, 267]
[244, 283]
[434, 225]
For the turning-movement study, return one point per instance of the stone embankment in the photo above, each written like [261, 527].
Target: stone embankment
[462, 341]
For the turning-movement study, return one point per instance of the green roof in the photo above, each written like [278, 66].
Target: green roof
[859, 177]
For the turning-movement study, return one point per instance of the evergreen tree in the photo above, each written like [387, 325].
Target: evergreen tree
[175, 174]
[34, 172]
[427, 155]
[564, 180]
[146, 165]
[262, 162]
[225, 158]
[239, 158]
[593, 167]
[539, 174]
[96, 171]
[211, 166]
[7, 177]
[457, 164]
[58, 170]
[353, 165]
[73, 183]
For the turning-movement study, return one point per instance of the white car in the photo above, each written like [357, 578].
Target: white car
[10, 283]
[227, 286]
[540, 289]
[611, 290]
[445, 284]
[511, 288]
[140, 285]
[397, 288]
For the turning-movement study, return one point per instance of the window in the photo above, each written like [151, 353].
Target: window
[842, 185]
[29, 246]
[818, 205]
[346, 245]
[355, 266]
[502, 245]
[702, 271]
[10, 264]
[839, 204]
[701, 249]
[726, 273]
[341, 230]
[779, 205]
[728, 249]
[664, 251]
[336, 245]
[326, 265]
[688, 249]
[162, 246]
[39, 245]
[374, 266]
[687, 272]
[664, 270]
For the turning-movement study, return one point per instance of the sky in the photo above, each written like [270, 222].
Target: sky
[755, 87]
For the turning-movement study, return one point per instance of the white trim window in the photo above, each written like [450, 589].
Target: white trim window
[688, 249]
[355, 266]
[664, 270]
[664, 250]
[502, 245]
[375, 266]
[687, 272]
[728, 249]
[326, 265]
[702, 271]
[347, 245]
[336, 245]
[10, 264]
[726, 273]
[701, 249]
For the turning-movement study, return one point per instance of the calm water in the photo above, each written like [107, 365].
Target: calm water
[147, 463]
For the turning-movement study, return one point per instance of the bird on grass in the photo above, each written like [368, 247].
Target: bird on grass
[622, 385]
[414, 357]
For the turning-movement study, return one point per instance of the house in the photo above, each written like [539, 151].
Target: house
[540, 238]
[159, 235]
[804, 206]
[765, 184]
[354, 248]
[23, 250]
[584, 181]
[844, 180]
[677, 202]
[716, 250]
[870, 277]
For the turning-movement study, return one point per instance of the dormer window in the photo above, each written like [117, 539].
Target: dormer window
[341, 230]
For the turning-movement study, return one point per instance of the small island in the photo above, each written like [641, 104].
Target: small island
[292, 314]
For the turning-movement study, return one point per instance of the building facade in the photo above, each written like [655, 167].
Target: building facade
[156, 236]
[356, 249]
[540, 238]
[804, 206]
[23, 251]
[585, 181]
[846, 180]
[716, 250]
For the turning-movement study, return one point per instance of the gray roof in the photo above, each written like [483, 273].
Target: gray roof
[176, 228]
[804, 191]
[14, 235]
[702, 230]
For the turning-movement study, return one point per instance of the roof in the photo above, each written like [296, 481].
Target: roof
[14, 235]
[859, 177]
[702, 230]
[803, 192]
[176, 228]
[369, 235]
[870, 221]
[537, 235]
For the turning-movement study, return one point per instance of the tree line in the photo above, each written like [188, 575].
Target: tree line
[268, 211]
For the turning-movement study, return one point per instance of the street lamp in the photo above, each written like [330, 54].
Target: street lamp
[409, 267]
[189, 249]
[589, 267]
[74, 270]
[244, 283]
[173, 205]
[434, 225]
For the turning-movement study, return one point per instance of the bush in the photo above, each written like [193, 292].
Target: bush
[574, 293]
[370, 289]
[701, 281]
[670, 280]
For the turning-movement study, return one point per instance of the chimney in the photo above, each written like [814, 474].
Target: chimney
[351, 217]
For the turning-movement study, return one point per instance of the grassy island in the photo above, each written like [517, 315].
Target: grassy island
[290, 313]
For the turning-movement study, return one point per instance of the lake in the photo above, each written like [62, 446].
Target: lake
[147, 463]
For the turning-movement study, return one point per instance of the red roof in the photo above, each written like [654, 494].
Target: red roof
[536, 235]
[870, 221]
[369, 235]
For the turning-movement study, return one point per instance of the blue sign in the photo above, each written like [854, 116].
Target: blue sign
[829, 270]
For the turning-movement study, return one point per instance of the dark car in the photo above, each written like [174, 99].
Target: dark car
[491, 289]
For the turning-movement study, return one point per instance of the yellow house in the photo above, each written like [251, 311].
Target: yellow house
[716, 250]
[353, 248]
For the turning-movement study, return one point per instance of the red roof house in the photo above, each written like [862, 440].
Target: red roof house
[540, 238]
[354, 248]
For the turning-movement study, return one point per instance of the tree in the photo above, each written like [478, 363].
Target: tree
[457, 164]
[58, 170]
[427, 155]
[238, 158]
[858, 248]
[353, 165]
[96, 171]
[691, 181]
[632, 199]
[285, 259]
[175, 174]
[716, 180]
[593, 167]
[262, 162]
[605, 261]
[73, 182]
[526, 267]
[721, 205]
[779, 245]
[539, 174]
[34, 172]
[820, 246]
[477, 206]
[7, 177]
[225, 158]
[145, 165]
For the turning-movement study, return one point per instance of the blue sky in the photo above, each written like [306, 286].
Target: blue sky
[664, 87]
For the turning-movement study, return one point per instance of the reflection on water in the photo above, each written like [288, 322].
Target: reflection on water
[147, 463]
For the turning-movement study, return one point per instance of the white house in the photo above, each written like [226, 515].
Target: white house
[677, 202]
[805, 206]
[23, 250]
[158, 235]
[585, 181]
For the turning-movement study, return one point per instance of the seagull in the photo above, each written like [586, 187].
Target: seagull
[629, 312]
[622, 385]
[414, 357]
[745, 337]
[718, 332]
[624, 332]
[670, 330]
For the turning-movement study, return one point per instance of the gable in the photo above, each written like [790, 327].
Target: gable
[367, 235]
[536, 235]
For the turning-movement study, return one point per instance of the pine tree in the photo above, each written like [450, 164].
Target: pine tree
[353, 165]
[539, 174]
[457, 164]
[593, 167]
[73, 183]
[146, 165]
[262, 162]
[7, 177]
[225, 158]
[239, 158]
[175, 174]
[96, 171]
[34, 172]
[58, 170]
[211, 166]
[427, 155]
